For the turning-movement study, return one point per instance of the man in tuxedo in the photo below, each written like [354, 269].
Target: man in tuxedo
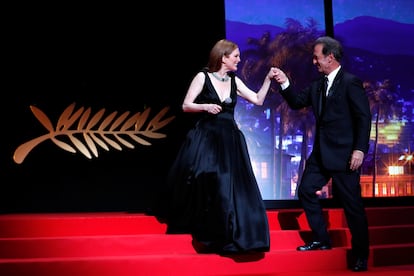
[343, 124]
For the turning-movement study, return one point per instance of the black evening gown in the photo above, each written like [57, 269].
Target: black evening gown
[213, 190]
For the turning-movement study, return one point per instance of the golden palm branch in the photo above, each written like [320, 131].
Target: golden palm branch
[112, 130]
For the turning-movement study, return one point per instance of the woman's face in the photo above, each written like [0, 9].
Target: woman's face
[231, 61]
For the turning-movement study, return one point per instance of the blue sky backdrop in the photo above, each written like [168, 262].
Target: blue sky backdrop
[274, 12]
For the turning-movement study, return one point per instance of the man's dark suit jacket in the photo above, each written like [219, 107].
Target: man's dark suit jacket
[345, 123]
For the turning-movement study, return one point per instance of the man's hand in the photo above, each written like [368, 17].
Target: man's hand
[356, 159]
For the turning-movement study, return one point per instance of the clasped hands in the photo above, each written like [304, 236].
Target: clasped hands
[277, 74]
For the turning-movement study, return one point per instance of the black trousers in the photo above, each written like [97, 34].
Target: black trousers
[346, 188]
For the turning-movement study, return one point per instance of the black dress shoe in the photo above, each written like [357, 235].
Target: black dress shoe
[314, 246]
[360, 265]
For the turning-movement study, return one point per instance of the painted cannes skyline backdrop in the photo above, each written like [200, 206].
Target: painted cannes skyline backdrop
[378, 40]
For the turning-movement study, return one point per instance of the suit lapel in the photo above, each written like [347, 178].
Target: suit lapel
[335, 83]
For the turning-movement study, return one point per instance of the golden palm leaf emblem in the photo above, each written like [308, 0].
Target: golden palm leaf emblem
[109, 131]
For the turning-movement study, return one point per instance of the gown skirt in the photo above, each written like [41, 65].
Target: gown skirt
[214, 194]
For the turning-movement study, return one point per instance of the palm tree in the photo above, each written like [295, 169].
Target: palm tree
[292, 49]
[289, 51]
[383, 107]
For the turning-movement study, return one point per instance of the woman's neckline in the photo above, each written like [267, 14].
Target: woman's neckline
[217, 77]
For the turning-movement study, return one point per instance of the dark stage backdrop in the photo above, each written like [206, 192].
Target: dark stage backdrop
[110, 58]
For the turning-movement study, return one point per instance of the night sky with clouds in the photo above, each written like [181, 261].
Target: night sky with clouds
[274, 12]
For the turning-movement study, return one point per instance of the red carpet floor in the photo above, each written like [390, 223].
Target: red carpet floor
[123, 244]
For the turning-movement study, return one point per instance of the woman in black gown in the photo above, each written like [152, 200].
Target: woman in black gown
[213, 190]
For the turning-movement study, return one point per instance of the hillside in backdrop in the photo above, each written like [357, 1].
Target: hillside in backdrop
[375, 48]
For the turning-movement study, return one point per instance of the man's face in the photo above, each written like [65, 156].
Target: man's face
[320, 61]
